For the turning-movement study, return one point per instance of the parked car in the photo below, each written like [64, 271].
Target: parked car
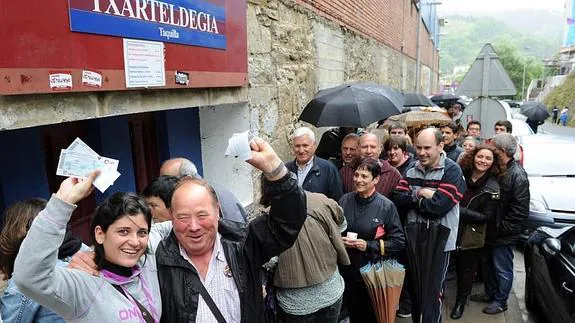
[520, 128]
[550, 273]
[550, 164]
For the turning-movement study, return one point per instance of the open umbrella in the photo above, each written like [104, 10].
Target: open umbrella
[352, 105]
[418, 119]
[425, 242]
[416, 100]
[444, 100]
[535, 111]
[384, 281]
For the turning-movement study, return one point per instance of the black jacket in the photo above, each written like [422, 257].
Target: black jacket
[246, 248]
[453, 151]
[363, 216]
[481, 207]
[505, 227]
[409, 163]
[322, 178]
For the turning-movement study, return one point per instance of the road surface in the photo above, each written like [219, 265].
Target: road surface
[557, 130]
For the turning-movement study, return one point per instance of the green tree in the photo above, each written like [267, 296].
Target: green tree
[514, 63]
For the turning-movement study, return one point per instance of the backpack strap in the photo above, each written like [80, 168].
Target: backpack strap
[208, 299]
[145, 313]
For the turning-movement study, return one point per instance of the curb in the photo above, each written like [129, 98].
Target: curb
[513, 313]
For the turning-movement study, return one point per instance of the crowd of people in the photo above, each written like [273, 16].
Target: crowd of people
[184, 251]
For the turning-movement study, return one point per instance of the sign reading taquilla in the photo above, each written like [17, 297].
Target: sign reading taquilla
[188, 22]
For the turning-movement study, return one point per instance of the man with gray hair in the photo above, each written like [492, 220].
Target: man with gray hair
[314, 174]
[231, 208]
[503, 230]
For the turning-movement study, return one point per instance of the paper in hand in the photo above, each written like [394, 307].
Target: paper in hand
[79, 160]
[239, 146]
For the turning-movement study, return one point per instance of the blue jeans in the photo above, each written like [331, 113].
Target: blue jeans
[498, 272]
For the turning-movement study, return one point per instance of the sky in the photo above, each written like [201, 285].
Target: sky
[454, 6]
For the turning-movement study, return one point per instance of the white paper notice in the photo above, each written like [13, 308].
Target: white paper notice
[239, 146]
[144, 63]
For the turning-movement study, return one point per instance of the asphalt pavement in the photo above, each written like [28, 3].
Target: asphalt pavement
[473, 310]
[548, 127]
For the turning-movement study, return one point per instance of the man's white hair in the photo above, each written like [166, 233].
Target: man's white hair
[187, 168]
[303, 131]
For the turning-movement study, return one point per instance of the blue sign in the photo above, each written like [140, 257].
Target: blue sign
[187, 22]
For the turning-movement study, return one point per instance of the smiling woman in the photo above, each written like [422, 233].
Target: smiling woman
[127, 287]
[373, 231]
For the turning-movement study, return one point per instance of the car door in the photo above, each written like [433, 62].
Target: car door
[562, 270]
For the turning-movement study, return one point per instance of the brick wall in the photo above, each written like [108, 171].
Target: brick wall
[391, 22]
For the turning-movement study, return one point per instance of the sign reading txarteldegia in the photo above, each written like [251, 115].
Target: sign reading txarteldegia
[187, 22]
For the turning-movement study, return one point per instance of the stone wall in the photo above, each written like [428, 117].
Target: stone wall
[294, 52]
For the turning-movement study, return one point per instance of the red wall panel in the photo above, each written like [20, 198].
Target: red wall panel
[36, 39]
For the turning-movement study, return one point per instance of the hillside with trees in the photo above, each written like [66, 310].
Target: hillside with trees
[533, 33]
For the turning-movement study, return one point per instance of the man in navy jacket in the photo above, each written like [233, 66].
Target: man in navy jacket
[314, 174]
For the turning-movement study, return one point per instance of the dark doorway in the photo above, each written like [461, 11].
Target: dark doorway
[144, 149]
[55, 138]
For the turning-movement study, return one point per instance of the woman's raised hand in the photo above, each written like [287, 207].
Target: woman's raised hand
[73, 190]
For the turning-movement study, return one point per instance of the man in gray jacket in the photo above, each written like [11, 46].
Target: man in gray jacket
[432, 190]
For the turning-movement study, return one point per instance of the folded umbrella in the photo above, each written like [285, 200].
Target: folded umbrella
[535, 111]
[384, 280]
[425, 244]
[352, 105]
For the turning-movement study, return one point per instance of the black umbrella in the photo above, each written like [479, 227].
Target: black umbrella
[352, 105]
[416, 100]
[444, 100]
[535, 111]
[425, 244]
[444, 97]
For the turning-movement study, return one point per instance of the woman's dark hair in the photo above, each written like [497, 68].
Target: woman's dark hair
[18, 218]
[371, 165]
[113, 208]
[162, 187]
[467, 162]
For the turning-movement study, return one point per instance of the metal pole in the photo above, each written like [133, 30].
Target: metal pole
[418, 49]
[523, 84]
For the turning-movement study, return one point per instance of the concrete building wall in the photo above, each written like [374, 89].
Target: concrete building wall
[217, 124]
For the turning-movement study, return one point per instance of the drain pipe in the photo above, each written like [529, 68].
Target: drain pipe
[418, 50]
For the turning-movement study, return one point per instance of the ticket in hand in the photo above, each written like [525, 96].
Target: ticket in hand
[239, 146]
[79, 160]
[73, 164]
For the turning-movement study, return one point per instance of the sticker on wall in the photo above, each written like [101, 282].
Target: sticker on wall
[60, 81]
[91, 79]
[182, 78]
